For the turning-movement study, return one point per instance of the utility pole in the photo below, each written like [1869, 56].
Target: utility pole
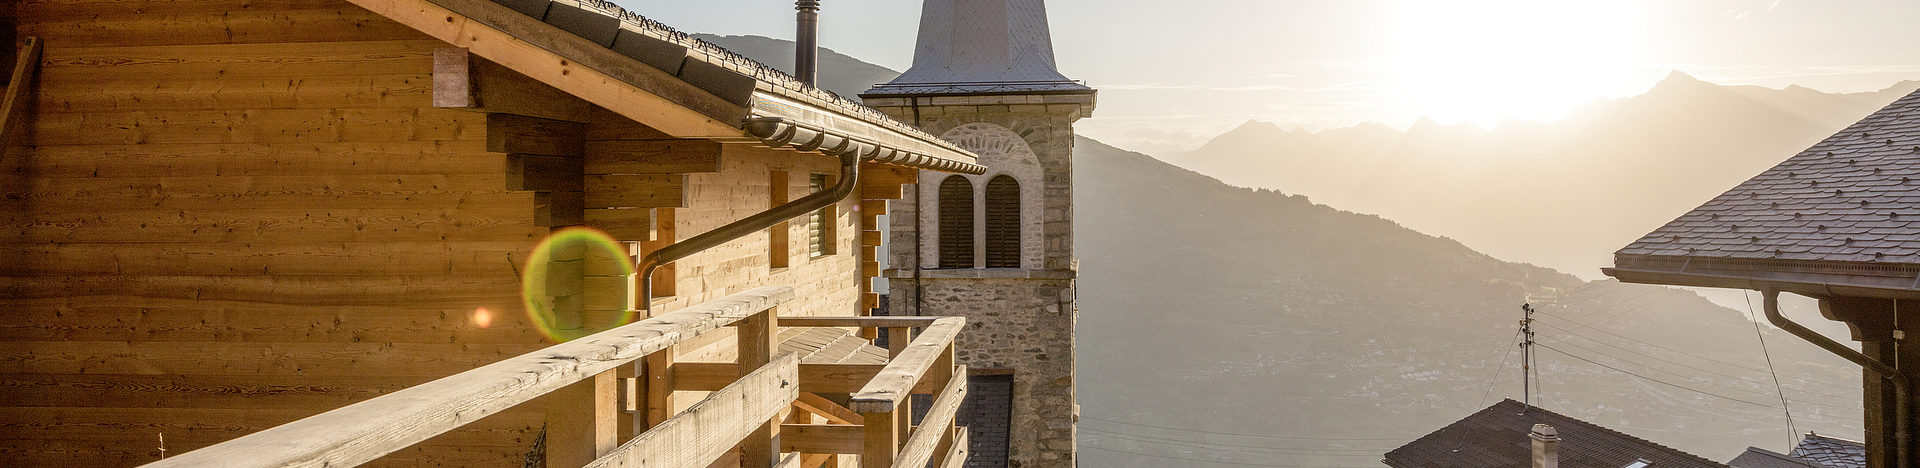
[1526, 356]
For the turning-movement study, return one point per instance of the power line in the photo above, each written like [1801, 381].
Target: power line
[1670, 294]
[1662, 382]
[1617, 304]
[1215, 461]
[1657, 358]
[1563, 308]
[1496, 370]
[1716, 384]
[1704, 358]
[1791, 431]
[1238, 434]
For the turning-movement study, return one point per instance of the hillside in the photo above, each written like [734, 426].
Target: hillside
[1225, 309]
[839, 73]
[1562, 194]
[1233, 310]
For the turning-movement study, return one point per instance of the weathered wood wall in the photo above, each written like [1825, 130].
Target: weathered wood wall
[236, 213]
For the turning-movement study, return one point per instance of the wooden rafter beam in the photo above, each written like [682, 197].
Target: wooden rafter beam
[17, 85]
[651, 106]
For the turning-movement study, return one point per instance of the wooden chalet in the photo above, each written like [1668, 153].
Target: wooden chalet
[1837, 222]
[335, 233]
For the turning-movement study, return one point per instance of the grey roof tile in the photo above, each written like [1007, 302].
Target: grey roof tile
[1756, 457]
[1861, 183]
[1830, 452]
[1497, 437]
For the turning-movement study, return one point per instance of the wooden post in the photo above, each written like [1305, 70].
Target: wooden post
[657, 373]
[883, 438]
[759, 335]
[897, 340]
[632, 419]
[580, 421]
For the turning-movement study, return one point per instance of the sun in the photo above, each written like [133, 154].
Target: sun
[1481, 61]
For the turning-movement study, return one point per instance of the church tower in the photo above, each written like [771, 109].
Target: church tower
[996, 248]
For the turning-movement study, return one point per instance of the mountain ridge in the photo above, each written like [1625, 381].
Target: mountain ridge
[1562, 194]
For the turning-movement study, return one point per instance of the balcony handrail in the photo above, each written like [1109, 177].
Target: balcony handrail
[864, 322]
[890, 388]
[365, 431]
[699, 435]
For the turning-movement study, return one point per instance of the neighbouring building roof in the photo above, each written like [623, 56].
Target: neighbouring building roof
[1756, 457]
[762, 102]
[982, 47]
[1831, 452]
[1496, 437]
[1842, 214]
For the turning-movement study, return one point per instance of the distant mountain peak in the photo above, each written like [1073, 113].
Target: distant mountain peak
[1678, 76]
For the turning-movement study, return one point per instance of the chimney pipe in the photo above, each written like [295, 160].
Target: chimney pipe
[807, 42]
[1546, 446]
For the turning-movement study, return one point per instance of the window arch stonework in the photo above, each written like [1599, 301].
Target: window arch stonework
[1005, 154]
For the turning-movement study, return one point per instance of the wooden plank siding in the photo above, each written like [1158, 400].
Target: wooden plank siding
[234, 214]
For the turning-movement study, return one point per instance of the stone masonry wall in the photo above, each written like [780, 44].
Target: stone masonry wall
[1030, 330]
[1019, 319]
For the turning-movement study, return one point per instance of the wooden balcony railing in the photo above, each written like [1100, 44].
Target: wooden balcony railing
[748, 400]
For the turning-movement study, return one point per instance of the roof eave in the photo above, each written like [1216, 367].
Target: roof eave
[707, 96]
[1812, 281]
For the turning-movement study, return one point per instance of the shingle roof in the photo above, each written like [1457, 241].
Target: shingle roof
[1831, 452]
[1497, 437]
[1854, 197]
[1756, 457]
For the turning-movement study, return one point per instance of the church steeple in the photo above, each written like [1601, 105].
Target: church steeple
[996, 248]
[976, 46]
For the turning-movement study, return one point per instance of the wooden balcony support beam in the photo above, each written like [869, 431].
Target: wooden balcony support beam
[823, 438]
[701, 435]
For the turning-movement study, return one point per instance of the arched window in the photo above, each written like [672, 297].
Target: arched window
[956, 223]
[1003, 222]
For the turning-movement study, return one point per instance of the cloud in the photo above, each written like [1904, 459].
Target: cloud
[1357, 85]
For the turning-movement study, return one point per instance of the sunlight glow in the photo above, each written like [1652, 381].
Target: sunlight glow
[1481, 61]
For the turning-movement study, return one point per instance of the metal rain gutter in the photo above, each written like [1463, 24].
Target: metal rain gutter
[1901, 409]
[782, 133]
[849, 178]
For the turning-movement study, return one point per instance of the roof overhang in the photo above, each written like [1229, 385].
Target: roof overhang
[1812, 279]
[666, 80]
[784, 123]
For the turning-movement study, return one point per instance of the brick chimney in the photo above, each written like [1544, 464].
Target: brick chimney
[1546, 446]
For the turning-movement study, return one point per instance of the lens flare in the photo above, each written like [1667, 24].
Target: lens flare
[576, 284]
[482, 317]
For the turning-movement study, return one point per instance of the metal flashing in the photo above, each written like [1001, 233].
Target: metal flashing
[587, 24]
[727, 84]
[535, 8]
[666, 56]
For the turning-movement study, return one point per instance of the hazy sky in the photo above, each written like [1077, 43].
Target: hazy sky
[1173, 74]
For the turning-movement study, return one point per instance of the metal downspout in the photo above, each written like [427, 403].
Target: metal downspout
[849, 178]
[1901, 408]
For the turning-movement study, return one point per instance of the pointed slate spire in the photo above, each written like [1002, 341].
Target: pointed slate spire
[976, 46]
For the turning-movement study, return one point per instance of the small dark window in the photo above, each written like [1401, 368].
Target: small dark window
[1003, 223]
[956, 223]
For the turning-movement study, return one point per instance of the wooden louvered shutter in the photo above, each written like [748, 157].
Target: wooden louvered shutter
[1003, 223]
[956, 223]
[819, 231]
